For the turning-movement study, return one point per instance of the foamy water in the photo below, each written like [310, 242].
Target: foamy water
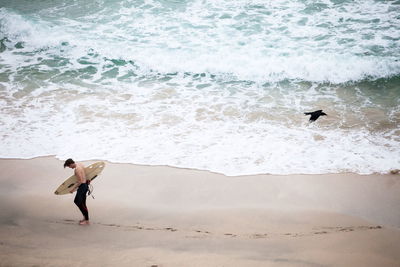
[214, 85]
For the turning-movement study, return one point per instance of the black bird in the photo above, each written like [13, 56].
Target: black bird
[315, 114]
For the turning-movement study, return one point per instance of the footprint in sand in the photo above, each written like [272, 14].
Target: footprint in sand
[258, 236]
[346, 229]
[320, 233]
[375, 227]
[202, 232]
[231, 235]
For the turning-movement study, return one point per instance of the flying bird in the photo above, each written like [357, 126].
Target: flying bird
[315, 114]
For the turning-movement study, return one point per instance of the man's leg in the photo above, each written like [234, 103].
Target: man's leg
[80, 201]
[85, 211]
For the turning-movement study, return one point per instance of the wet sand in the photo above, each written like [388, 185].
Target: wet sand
[163, 216]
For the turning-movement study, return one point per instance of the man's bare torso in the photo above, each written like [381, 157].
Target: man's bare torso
[80, 173]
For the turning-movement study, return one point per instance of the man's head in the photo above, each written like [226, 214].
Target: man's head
[70, 163]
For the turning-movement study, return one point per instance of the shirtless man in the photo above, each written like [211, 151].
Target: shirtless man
[82, 186]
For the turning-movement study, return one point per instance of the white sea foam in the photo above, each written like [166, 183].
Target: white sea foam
[173, 127]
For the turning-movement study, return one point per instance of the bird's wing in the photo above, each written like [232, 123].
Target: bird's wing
[314, 117]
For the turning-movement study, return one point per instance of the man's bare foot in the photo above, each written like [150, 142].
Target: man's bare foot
[84, 222]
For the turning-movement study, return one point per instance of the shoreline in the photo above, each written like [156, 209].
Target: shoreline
[205, 170]
[166, 216]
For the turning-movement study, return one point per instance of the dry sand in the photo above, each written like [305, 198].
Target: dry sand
[163, 216]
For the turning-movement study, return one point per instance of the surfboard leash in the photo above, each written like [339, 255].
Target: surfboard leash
[90, 190]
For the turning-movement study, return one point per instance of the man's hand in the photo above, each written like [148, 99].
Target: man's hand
[74, 189]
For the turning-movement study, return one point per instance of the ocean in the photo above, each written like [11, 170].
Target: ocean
[216, 85]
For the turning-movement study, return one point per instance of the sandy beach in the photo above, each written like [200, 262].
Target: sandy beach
[163, 216]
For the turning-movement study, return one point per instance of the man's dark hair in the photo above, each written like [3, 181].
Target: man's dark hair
[68, 162]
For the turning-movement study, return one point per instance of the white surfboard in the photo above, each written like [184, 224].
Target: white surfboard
[91, 172]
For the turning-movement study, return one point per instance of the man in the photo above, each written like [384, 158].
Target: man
[82, 186]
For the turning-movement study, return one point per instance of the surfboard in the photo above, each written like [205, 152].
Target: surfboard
[91, 172]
